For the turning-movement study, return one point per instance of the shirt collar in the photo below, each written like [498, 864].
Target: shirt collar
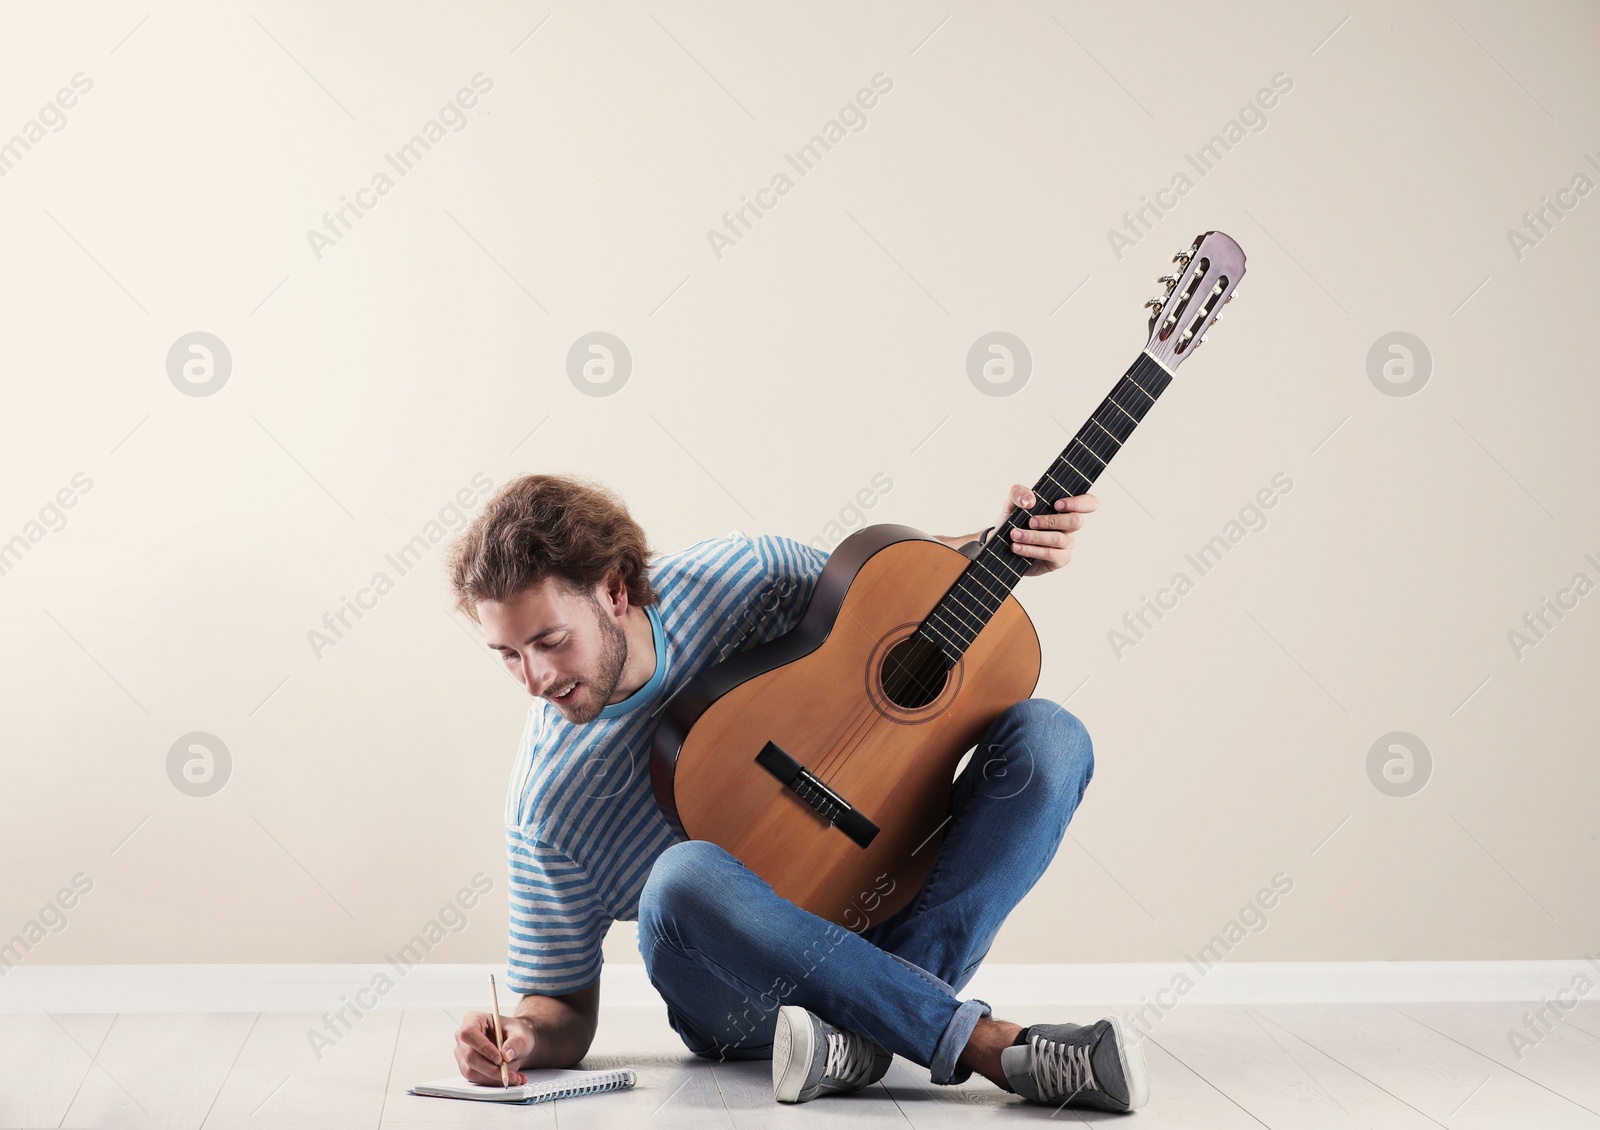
[646, 692]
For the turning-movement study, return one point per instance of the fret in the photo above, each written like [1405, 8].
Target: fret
[1136, 408]
[992, 591]
[953, 628]
[1149, 374]
[1133, 384]
[981, 578]
[945, 647]
[1113, 419]
[964, 614]
[1111, 400]
[1088, 437]
[972, 582]
[1064, 466]
[995, 588]
[971, 615]
[1067, 492]
[1079, 441]
[972, 608]
[988, 580]
[1101, 426]
[977, 595]
[1007, 581]
[1160, 379]
[951, 652]
[1076, 470]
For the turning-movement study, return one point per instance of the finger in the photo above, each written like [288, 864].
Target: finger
[479, 1041]
[520, 1038]
[487, 1065]
[1065, 522]
[1047, 538]
[1044, 545]
[1019, 496]
[481, 1070]
[515, 1049]
[1080, 503]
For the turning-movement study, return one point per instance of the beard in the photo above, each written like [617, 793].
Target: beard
[608, 669]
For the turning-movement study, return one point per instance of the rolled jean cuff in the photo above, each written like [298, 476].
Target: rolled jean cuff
[944, 1069]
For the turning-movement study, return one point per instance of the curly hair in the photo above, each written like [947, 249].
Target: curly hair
[541, 526]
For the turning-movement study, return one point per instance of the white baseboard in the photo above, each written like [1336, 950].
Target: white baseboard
[321, 988]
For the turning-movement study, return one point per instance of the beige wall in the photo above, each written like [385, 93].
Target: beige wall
[768, 387]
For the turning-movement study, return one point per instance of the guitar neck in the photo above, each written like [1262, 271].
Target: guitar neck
[975, 597]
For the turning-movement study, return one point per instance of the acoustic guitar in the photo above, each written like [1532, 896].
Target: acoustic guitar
[823, 759]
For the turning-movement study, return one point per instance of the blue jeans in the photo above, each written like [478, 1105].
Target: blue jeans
[725, 952]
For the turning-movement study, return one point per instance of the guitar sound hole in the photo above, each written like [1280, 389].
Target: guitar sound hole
[913, 673]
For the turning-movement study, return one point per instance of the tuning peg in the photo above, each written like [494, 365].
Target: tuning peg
[1156, 303]
[1170, 281]
[1182, 257]
[1203, 338]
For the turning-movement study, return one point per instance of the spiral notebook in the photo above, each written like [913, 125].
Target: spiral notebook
[541, 1086]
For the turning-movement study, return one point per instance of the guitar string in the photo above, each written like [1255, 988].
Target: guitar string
[855, 734]
[858, 730]
[848, 740]
[827, 768]
[849, 748]
[847, 733]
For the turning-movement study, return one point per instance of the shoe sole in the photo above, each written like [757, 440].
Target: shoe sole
[792, 1053]
[1131, 1058]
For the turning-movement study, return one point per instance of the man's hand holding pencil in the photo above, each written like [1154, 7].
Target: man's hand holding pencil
[542, 1032]
[490, 1046]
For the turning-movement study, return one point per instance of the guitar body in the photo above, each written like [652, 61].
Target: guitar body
[818, 694]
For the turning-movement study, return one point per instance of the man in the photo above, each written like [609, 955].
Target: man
[556, 572]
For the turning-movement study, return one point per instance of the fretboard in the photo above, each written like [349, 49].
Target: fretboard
[963, 611]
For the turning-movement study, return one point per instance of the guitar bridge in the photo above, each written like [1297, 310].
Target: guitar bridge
[824, 801]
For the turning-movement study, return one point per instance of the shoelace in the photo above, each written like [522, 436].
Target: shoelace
[849, 1057]
[1061, 1070]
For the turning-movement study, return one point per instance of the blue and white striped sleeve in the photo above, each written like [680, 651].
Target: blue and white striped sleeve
[791, 568]
[557, 921]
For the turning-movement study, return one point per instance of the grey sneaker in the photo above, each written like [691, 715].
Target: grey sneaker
[1097, 1065]
[811, 1057]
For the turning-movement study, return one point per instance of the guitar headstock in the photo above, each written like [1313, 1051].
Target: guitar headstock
[1208, 275]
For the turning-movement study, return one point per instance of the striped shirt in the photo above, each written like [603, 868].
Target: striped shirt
[582, 827]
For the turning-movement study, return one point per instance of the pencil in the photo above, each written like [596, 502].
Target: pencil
[494, 1001]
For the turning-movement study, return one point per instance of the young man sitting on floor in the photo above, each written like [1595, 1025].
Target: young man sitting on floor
[558, 575]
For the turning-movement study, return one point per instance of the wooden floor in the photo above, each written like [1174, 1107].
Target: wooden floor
[1279, 1066]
